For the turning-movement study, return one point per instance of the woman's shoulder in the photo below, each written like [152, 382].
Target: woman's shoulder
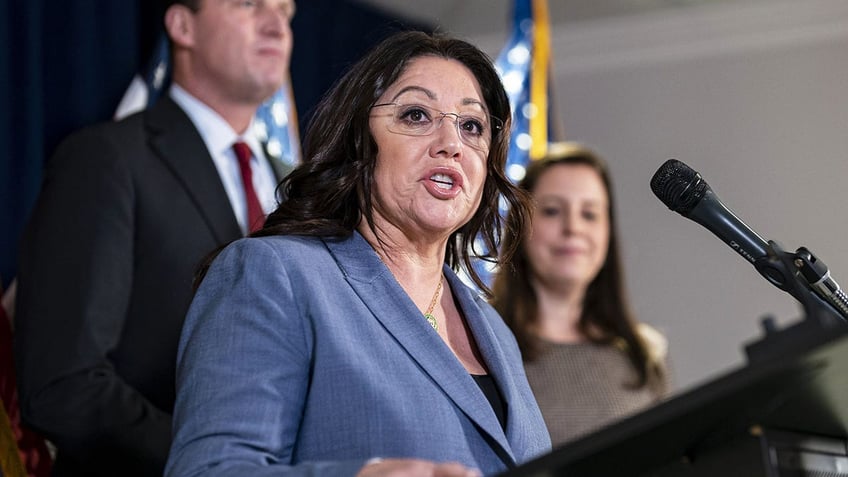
[282, 244]
[655, 342]
[268, 250]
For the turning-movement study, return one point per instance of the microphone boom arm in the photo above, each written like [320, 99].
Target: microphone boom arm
[817, 277]
[787, 270]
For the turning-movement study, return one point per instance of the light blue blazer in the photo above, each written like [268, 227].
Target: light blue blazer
[304, 356]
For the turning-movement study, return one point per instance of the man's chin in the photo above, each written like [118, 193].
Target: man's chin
[261, 93]
[273, 83]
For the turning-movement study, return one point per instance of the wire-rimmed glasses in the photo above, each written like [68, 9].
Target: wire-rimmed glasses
[475, 129]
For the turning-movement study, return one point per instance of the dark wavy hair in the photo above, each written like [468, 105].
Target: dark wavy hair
[606, 317]
[331, 191]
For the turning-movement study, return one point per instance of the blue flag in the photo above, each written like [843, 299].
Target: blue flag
[149, 83]
[276, 125]
[524, 68]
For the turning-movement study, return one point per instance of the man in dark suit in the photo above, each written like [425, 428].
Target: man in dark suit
[127, 211]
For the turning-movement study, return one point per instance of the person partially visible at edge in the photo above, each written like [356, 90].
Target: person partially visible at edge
[126, 213]
[588, 360]
[339, 339]
[23, 453]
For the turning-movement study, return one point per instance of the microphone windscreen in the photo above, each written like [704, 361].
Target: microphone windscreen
[678, 186]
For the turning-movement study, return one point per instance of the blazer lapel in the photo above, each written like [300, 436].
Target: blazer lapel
[393, 308]
[176, 141]
[491, 350]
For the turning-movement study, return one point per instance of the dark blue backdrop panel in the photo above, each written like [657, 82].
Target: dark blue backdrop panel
[330, 35]
[67, 65]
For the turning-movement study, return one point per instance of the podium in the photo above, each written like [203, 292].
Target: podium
[783, 414]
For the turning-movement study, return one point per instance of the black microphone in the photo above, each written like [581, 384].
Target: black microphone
[684, 191]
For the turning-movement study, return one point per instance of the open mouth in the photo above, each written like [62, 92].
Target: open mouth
[442, 181]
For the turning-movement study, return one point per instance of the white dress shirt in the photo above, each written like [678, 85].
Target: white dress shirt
[219, 138]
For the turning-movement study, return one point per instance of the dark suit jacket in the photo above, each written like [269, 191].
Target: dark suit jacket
[127, 211]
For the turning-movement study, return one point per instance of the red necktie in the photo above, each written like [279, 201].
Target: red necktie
[255, 215]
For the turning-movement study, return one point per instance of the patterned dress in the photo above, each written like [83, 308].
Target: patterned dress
[581, 387]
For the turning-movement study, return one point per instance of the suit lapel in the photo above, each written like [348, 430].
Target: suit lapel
[176, 141]
[493, 355]
[393, 308]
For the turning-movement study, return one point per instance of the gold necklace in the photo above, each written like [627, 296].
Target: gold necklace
[429, 313]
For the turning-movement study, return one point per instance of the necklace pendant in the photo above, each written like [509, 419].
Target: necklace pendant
[432, 320]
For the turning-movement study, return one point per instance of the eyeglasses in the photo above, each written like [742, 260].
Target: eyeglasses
[474, 130]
